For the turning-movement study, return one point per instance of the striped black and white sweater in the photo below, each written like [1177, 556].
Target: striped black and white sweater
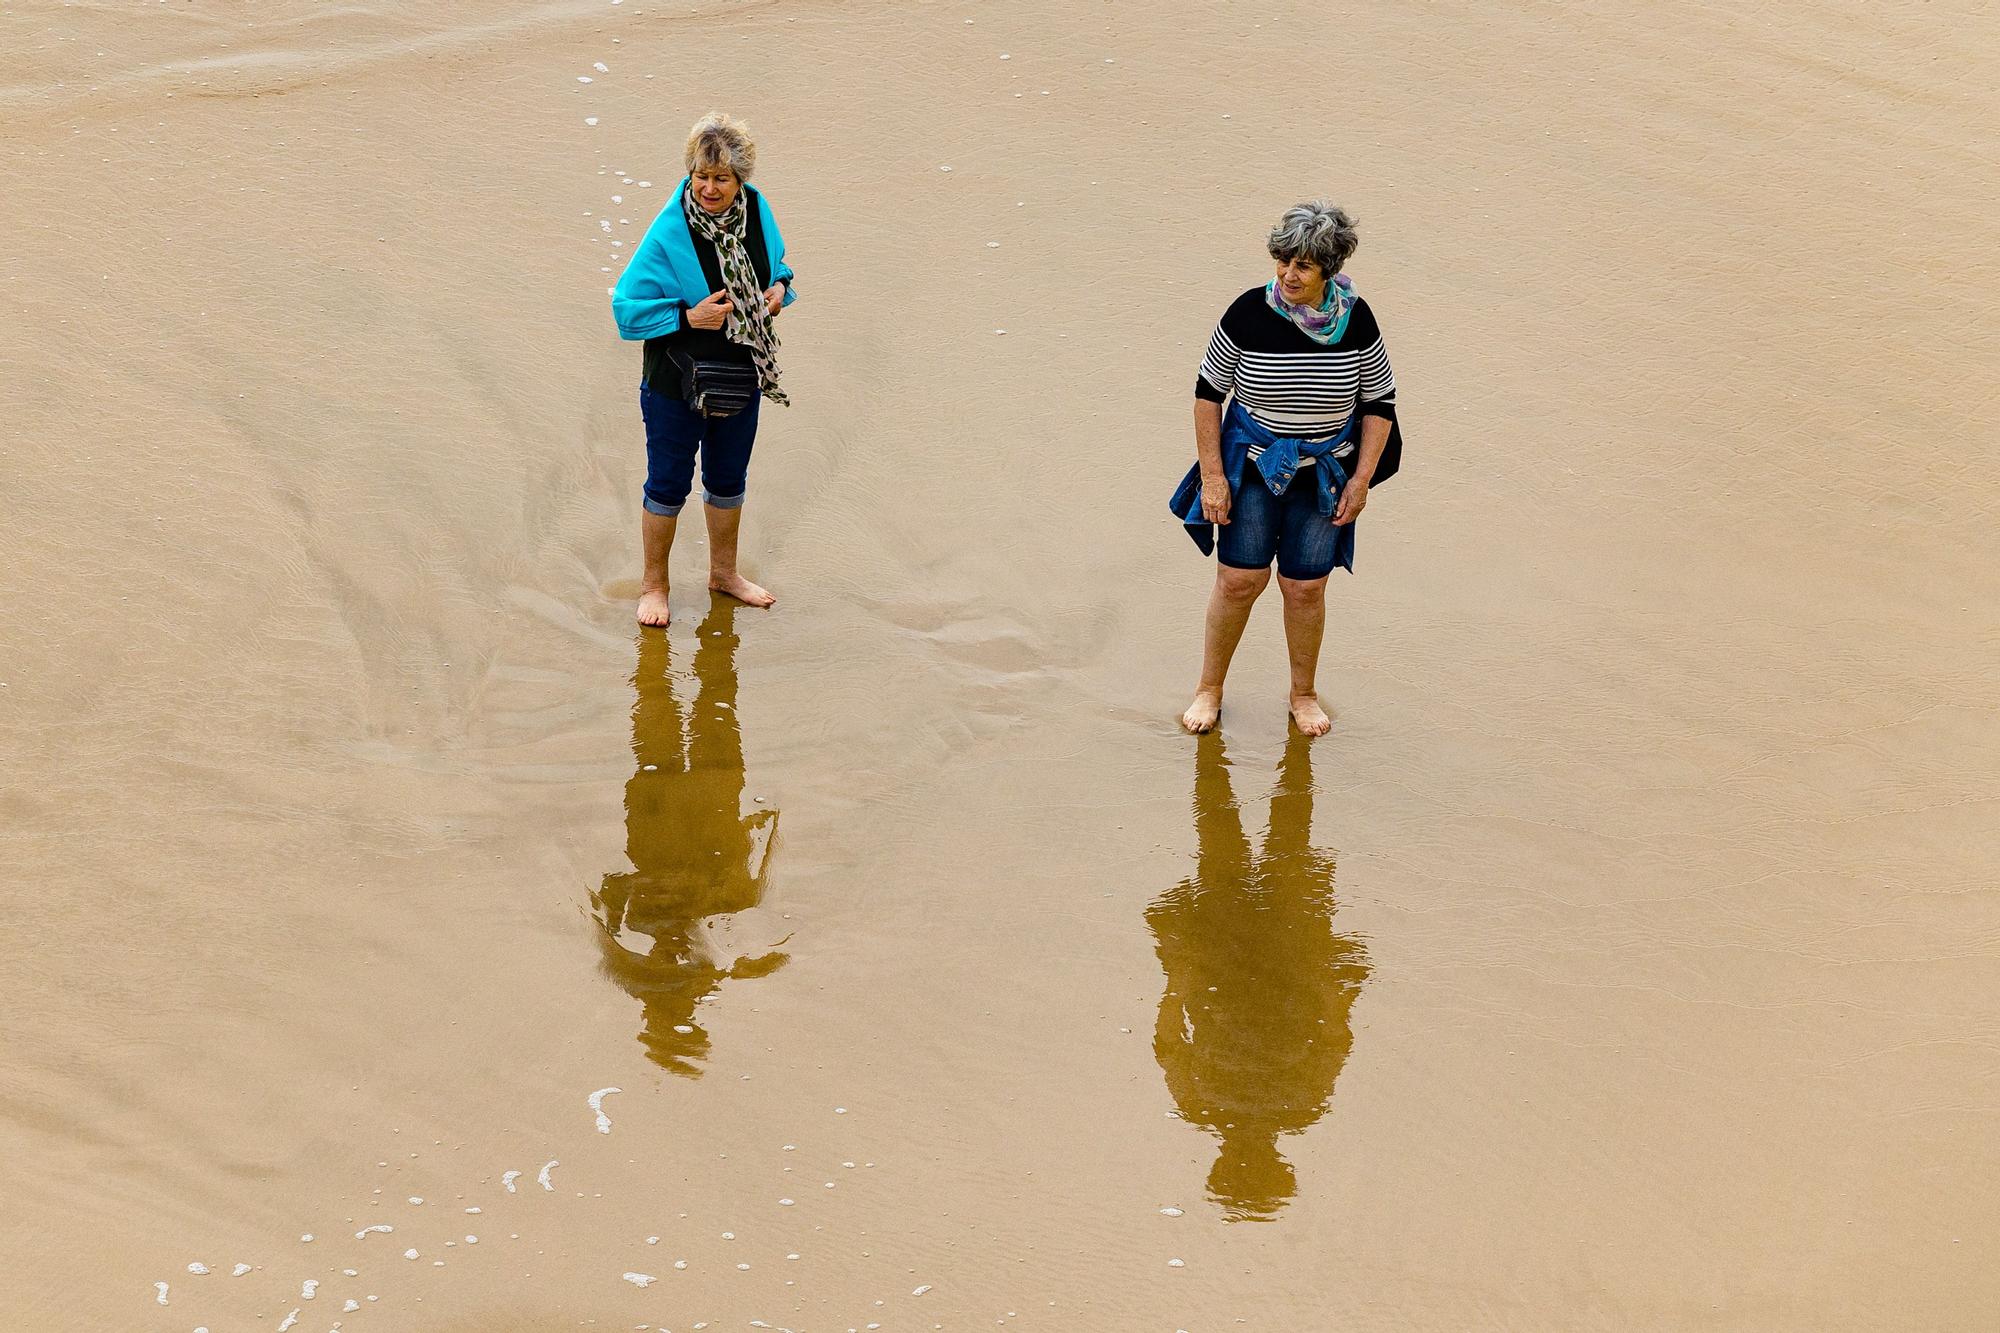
[1290, 384]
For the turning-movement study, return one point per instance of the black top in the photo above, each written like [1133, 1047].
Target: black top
[708, 344]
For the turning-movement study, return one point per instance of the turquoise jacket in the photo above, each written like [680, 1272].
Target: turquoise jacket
[665, 278]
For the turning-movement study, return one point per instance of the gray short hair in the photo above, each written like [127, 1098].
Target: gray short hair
[1316, 231]
[720, 140]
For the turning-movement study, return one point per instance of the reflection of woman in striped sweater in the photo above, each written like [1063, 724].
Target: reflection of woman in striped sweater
[1256, 1020]
[1286, 469]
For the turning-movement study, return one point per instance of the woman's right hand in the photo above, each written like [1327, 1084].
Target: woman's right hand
[710, 314]
[1215, 499]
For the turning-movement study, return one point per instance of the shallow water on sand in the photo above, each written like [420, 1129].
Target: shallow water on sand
[1623, 959]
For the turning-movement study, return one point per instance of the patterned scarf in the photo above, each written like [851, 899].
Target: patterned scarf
[749, 319]
[1324, 323]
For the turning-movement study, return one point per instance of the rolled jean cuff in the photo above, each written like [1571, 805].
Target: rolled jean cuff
[667, 511]
[724, 501]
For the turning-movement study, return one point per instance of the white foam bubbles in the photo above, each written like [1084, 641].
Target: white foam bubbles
[290, 1319]
[641, 1280]
[160, 1288]
[384, 1228]
[542, 1176]
[309, 1291]
[508, 1178]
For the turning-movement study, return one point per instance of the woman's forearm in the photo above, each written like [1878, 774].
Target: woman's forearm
[1208, 437]
[1374, 439]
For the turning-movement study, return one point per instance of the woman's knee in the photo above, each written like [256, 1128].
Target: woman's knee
[725, 458]
[1303, 592]
[672, 436]
[1241, 585]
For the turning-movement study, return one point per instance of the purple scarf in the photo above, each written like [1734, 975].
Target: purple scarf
[1323, 323]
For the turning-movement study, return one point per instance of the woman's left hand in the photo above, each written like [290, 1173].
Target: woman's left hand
[1353, 499]
[774, 300]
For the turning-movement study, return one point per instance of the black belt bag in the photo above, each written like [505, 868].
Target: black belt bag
[716, 388]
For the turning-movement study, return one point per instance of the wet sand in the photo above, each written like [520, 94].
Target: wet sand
[1623, 959]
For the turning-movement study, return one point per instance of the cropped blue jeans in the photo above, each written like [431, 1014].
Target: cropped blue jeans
[676, 434]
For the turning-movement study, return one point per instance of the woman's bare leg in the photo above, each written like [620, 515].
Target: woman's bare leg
[656, 535]
[1229, 604]
[723, 526]
[1305, 626]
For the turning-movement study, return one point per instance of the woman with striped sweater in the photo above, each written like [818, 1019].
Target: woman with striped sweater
[1293, 415]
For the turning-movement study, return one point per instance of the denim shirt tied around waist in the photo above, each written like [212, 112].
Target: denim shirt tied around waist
[1278, 466]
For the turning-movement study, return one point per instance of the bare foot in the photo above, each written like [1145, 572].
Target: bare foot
[742, 589]
[653, 609]
[1203, 713]
[1310, 717]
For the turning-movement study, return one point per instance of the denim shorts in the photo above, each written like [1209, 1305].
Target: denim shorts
[1287, 527]
[675, 432]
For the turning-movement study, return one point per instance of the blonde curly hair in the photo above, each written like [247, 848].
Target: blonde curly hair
[719, 140]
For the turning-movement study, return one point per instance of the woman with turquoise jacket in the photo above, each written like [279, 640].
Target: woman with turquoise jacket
[702, 291]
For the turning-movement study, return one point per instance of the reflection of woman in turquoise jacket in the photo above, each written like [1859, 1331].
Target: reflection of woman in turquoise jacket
[696, 857]
[1253, 1027]
[704, 286]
